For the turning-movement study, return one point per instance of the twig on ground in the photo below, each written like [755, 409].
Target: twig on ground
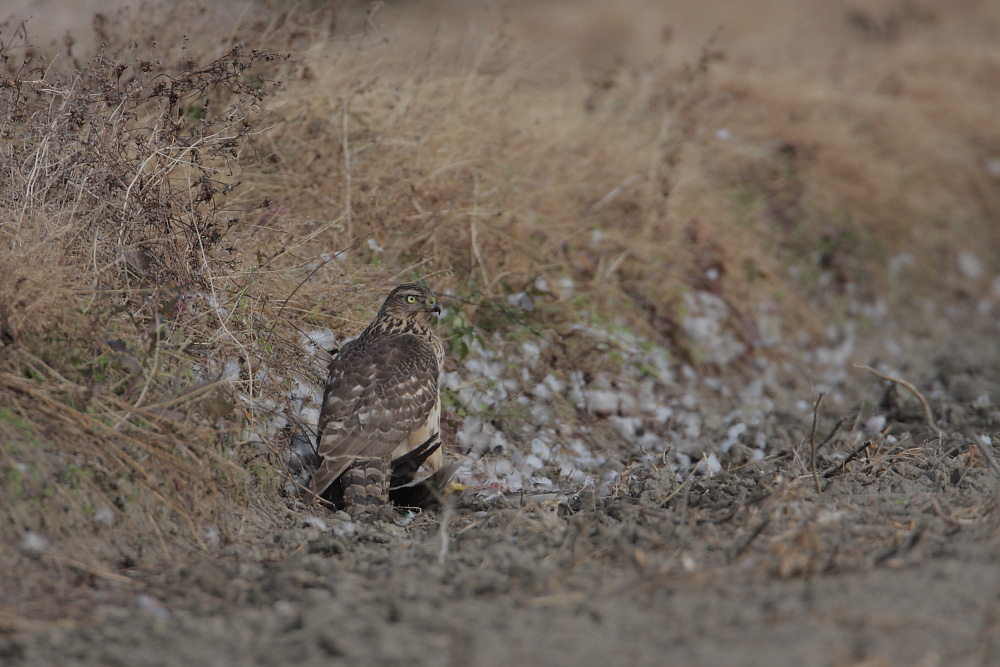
[913, 390]
[981, 446]
[833, 432]
[89, 569]
[903, 547]
[753, 536]
[854, 426]
[150, 376]
[679, 488]
[850, 457]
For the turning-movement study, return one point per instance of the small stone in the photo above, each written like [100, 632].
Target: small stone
[565, 287]
[601, 403]
[709, 465]
[33, 542]
[521, 300]
[105, 516]
[874, 425]
[151, 606]
[212, 535]
[969, 265]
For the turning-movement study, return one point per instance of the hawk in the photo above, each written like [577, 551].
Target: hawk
[381, 414]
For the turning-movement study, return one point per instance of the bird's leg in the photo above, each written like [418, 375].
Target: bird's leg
[365, 486]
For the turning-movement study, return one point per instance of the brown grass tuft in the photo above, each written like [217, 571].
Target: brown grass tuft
[121, 176]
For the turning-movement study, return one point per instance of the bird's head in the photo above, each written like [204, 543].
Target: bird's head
[409, 301]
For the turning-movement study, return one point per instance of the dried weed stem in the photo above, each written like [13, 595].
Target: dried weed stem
[913, 390]
[812, 441]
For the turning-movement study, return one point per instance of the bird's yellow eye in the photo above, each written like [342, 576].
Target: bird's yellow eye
[411, 299]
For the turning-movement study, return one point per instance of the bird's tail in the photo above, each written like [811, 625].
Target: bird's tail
[364, 486]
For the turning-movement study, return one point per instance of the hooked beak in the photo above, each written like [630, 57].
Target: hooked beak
[436, 309]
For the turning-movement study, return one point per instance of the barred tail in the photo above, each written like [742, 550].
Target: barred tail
[364, 487]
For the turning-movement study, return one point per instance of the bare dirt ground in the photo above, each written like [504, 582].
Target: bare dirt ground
[841, 524]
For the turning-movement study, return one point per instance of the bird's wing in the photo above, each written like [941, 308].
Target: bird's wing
[375, 396]
[404, 468]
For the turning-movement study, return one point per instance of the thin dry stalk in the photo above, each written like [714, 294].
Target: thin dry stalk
[757, 532]
[913, 390]
[345, 143]
[812, 441]
[88, 568]
[981, 446]
[833, 432]
[847, 459]
[683, 484]
[73, 419]
[447, 510]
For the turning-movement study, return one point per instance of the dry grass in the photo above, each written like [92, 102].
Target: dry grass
[116, 203]
[480, 160]
[165, 205]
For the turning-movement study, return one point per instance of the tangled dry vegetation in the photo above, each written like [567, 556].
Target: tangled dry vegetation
[171, 201]
[118, 199]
